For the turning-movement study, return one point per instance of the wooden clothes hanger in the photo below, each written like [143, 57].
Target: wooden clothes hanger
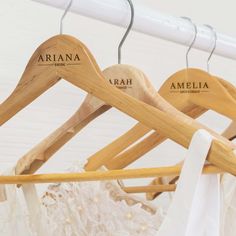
[128, 79]
[134, 84]
[216, 97]
[229, 133]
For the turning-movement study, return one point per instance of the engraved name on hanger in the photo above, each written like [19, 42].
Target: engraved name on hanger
[195, 87]
[121, 83]
[58, 59]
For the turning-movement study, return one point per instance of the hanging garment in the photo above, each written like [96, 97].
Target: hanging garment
[92, 209]
[195, 208]
[89, 209]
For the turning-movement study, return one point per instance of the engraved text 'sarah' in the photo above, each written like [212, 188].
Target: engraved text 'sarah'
[120, 82]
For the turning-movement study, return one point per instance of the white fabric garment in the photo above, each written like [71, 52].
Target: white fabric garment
[90, 209]
[196, 201]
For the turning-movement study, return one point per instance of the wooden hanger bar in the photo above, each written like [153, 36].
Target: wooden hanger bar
[100, 175]
[85, 74]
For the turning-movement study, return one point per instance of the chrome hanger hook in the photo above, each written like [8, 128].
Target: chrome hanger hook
[127, 31]
[194, 39]
[64, 14]
[214, 46]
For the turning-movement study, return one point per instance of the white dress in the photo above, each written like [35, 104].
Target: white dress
[90, 209]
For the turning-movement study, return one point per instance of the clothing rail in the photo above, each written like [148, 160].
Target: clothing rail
[150, 22]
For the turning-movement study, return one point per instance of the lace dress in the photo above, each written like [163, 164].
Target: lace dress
[97, 208]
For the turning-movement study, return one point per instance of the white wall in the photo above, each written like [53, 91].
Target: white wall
[25, 24]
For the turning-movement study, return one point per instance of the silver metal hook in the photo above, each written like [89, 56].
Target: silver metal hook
[194, 39]
[127, 31]
[63, 16]
[214, 46]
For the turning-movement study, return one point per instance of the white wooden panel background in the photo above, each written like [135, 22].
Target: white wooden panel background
[25, 24]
